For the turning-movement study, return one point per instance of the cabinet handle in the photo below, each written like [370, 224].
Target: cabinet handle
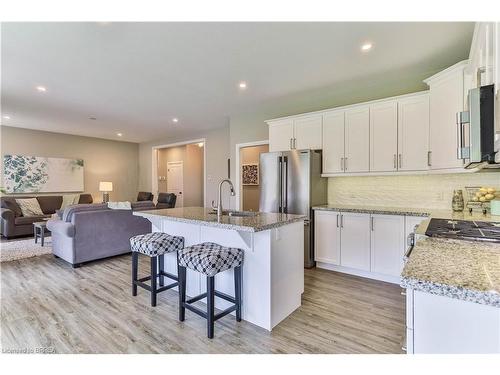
[372, 224]
[400, 162]
[429, 154]
[345, 164]
[403, 348]
[341, 221]
[403, 293]
[337, 220]
[341, 164]
[395, 162]
[291, 144]
[295, 143]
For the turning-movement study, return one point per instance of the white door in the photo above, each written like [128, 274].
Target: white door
[281, 135]
[413, 133]
[327, 237]
[446, 99]
[387, 244]
[383, 137]
[357, 140]
[333, 142]
[175, 181]
[355, 241]
[308, 133]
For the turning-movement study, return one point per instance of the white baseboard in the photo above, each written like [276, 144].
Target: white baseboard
[353, 271]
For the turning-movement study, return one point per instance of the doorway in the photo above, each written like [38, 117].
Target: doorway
[175, 181]
[180, 169]
[248, 174]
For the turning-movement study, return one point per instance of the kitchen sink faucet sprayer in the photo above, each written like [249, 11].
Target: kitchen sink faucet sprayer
[219, 198]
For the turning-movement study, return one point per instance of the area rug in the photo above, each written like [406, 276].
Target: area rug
[14, 250]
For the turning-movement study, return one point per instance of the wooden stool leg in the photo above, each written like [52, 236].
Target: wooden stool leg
[135, 261]
[154, 276]
[237, 292]
[210, 306]
[181, 273]
[161, 261]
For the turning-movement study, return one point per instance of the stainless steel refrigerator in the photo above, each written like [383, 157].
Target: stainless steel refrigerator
[291, 183]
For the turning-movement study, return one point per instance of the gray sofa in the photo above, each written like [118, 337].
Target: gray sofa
[14, 224]
[89, 232]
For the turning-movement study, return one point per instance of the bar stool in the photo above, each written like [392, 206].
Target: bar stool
[209, 259]
[154, 245]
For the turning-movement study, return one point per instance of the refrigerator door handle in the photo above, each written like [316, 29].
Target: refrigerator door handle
[284, 184]
[280, 187]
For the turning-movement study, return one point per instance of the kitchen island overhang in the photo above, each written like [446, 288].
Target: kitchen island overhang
[273, 267]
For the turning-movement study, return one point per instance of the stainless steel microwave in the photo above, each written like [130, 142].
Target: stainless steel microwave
[476, 128]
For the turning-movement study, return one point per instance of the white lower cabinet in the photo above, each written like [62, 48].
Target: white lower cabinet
[367, 245]
[444, 325]
[355, 241]
[327, 237]
[387, 244]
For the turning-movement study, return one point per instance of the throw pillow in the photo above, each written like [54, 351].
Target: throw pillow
[30, 207]
[120, 205]
[69, 199]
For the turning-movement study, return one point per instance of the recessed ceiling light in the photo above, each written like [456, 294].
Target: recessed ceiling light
[242, 85]
[92, 118]
[175, 119]
[41, 89]
[119, 134]
[6, 117]
[366, 47]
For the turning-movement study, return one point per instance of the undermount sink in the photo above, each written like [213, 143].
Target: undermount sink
[236, 213]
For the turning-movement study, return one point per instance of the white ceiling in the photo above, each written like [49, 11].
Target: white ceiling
[135, 77]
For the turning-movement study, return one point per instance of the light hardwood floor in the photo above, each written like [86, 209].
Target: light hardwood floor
[46, 303]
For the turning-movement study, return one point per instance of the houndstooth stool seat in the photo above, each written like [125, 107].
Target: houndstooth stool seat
[210, 258]
[156, 243]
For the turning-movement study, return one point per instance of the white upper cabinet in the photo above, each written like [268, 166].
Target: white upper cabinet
[446, 99]
[413, 133]
[483, 54]
[281, 135]
[327, 237]
[333, 142]
[384, 136]
[308, 133]
[301, 133]
[387, 244]
[357, 140]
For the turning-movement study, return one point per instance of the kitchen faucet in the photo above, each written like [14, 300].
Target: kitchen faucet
[219, 199]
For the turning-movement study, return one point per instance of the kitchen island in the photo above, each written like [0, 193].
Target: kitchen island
[452, 297]
[273, 267]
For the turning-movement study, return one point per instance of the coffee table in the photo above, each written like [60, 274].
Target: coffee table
[39, 229]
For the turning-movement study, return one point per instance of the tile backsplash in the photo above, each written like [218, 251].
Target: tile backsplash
[415, 191]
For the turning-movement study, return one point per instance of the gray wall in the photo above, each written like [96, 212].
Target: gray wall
[104, 160]
[217, 151]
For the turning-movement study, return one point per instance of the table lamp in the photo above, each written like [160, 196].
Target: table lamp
[105, 187]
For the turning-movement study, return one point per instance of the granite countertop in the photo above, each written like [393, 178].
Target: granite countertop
[385, 210]
[429, 212]
[206, 216]
[466, 270]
